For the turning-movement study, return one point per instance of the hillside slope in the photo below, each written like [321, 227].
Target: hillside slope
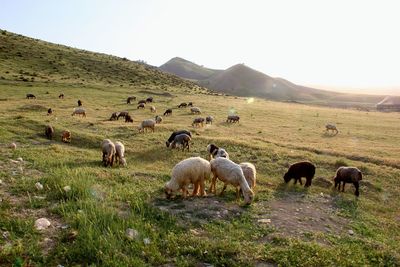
[186, 69]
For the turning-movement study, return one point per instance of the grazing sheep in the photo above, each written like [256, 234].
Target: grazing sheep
[108, 149]
[193, 170]
[209, 120]
[61, 96]
[250, 173]
[130, 98]
[182, 105]
[30, 96]
[122, 114]
[172, 137]
[168, 112]
[141, 105]
[147, 124]
[79, 111]
[233, 118]
[216, 152]
[128, 118]
[49, 132]
[183, 140]
[114, 116]
[141, 101]
[158, 119]
[149, 99]
[153, 109]
[195, 110]
[348, 175]
[230, 173]
[120, 153]
[190, 104]
[298, 170]
[66, 136]
[79, 103]
[198, 122]
[332, 128]
[49, 111]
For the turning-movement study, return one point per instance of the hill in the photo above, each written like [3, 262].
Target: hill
[187, 70]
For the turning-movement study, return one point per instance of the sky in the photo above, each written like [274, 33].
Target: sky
[340, 45]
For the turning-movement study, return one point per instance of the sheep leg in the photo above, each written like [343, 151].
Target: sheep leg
[238, 190]
[184, 192]
[344, 183]
[213, 188]
[223, 189]
[356, 185]
[301, 183]
[202, 189]
[195, 189]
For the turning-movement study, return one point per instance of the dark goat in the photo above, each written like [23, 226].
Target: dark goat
[114, 116]
[122, 114]
[182, 105]
[79, 103]
[149, 100]
[128, 118]
[172, 137]
[298, 170]
[49, 132]
[129, 99]
[29, 96]
[168, 112]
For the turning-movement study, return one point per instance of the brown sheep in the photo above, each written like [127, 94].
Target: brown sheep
[128, 118]
[141, 105]
[30, 96]
[168, 112]
[49, 132]
[298, 170]
[348, 175]
[66, 136]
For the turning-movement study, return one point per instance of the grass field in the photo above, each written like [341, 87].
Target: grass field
[286, 225]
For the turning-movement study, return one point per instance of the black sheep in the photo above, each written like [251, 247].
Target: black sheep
[298, 170]
[172, 137]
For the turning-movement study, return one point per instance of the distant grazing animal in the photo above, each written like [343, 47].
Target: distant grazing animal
[182, 105]
[158, 119]
[332, 128]
[298, 170]
[61, 96]
[30, 96]
[128, 118]
[122, 114]
[120, 153]
[141, 105]
[108, 149]
[233, 118]
[198, 122]
[153, 109]
[149, 99]
[130, 98]
[195, 110]
[172, 137]
[66, 136]
[49, 132]
[143, 101]
[147, 124]
[190, 104]
[79, 111]
[79, 103]
[183, 140]
[216, 152]
[194, 171]
[348, 175]
[114, 116]
[168, 112]
[209, 120]
[49, 111]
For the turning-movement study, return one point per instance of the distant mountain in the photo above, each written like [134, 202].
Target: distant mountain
[186, 69]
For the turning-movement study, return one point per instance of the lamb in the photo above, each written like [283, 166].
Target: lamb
[141, 105]
[331, 127]
[298, 170]
[209, 120]
[30, 96]
[128, 118]
[49, 132]
[182, 105]
[149, 99]
[130, 98]
[195, 110]
[61, 96]
[233, 118]
[168, 112]
[123, 114]
[183, 140]
[79, 103]
[153, 109]
[250, 173]
[191, 170]
[198, 122]
[348, 175]
[114, 116]
[147, 124]
[158, 119]
[108, 149]
[215, 152]
[79, 111]
[120, 153]
[230, 173]
[66, 136]
[172, 137]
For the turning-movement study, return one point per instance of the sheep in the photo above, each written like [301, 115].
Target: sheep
[209, 120]
[30, 96]
[195, 110]
[114, 116]
[120, 153]
[128, 118]
[348, 175]
[331, 127]
[190, 104]
[61, 96]
[233, 118]
[49, 111]
[79, 111]
[191, 170]
[168, 112]
[108, 149]
[49, 132]
[183, 140]
[182, 105]
[250, 173]
[141, 105]
[298, 170]
[158, 119]
[79, 103]
[153, 109]
[147, 124]
[172, 137]
[230, 173]
[66, 136]
[198, 122]
[215, 152]
[149, 99]
[141, 102]
[130, 98]
[123, 114]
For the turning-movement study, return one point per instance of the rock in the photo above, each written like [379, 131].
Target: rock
[194, 232]
[67, 188]
[131, 234]
[42, 223]
[39, 186]
[351, 232]
[1, 182]
[13, 146]
[225, 212]
[14, 161]
[146, 241]
[264, 221]
[20, 159]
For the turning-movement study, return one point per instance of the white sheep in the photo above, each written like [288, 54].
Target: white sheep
[230, 173]
[120, 153]
[250, 173]
[158, 119]
[79, 111]
[193, 170]
[108, 149]
[147, 124]
[195, 110]
[153, 109]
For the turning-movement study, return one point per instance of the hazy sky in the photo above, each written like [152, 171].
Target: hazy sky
[311, 42]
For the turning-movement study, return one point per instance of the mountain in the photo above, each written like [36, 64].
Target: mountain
[186, 69]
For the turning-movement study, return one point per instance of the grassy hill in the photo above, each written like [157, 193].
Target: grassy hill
[286, 225]
[187, 70]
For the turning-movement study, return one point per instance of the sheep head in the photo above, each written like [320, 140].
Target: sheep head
[286, 177]
[248, 197]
